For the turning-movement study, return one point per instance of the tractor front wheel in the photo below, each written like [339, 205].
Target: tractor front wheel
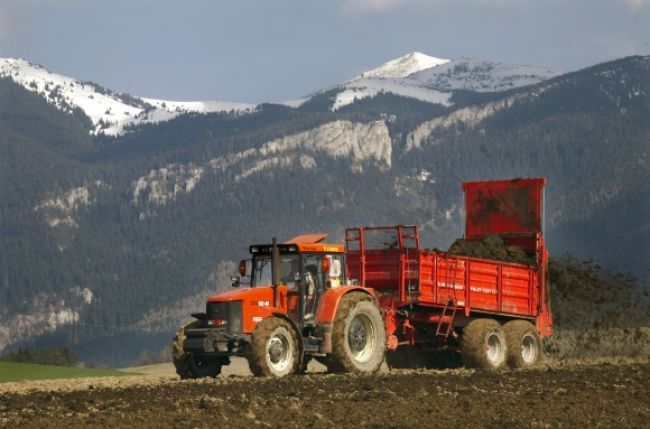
[274, 349]
[189, 365]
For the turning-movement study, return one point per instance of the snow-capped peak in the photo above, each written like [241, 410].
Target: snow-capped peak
[111, 112]
[403, 66]
[433, 80]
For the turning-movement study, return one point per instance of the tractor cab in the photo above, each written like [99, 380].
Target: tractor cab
[306, 269]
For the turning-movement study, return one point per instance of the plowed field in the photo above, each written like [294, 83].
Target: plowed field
[603, 395]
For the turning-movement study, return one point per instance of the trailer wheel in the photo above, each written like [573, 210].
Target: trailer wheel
[274, 349]
[189, 365]
[524, 344]
[484, 345]
[358, 336]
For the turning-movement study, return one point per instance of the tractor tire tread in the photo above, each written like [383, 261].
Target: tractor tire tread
[339, 361]
[184, 362]
[257, 356]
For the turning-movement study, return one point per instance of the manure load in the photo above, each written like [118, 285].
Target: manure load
[492, 247]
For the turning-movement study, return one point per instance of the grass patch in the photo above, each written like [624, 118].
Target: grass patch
[12, 371]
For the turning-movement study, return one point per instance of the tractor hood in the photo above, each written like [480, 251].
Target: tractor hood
[258, 293]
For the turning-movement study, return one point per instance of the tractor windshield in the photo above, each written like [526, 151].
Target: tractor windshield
[289, 270]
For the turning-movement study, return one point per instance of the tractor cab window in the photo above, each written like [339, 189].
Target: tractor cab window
[289, 270]
[314, 266]
[321, 272]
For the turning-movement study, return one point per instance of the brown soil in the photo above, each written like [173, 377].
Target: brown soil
[601, 395]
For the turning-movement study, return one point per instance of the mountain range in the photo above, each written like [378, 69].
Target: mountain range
[119, 214]
[414, 75]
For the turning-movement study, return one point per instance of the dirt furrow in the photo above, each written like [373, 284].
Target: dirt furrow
[579, 396]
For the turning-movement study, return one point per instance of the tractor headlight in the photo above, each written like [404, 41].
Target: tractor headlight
[227, 315]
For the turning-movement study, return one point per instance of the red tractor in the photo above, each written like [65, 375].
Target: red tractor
[297, 307]
[381, 295]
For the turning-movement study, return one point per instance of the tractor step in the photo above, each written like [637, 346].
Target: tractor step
[311, 344]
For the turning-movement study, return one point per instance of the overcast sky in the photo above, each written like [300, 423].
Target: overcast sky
[272, 50]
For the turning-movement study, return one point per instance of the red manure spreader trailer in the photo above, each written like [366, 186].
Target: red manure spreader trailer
[493, 312]
[381, 297]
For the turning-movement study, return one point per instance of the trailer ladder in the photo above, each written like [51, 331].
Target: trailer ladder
[446, 322]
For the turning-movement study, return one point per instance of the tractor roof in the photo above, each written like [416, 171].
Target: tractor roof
[301, 243]
[312, 243]
[307, 238]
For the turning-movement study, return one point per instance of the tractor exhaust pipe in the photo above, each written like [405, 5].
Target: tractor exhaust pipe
[275, 272]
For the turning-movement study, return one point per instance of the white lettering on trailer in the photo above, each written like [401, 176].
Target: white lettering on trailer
[445, 285]
[485, 290]
[257, 319]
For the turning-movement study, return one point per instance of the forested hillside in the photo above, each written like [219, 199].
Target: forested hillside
[108, 242]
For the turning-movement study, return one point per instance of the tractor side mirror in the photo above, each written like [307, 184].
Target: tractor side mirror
[236, 281]
[242, 268]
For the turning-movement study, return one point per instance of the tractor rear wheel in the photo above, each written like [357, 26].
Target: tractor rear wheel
[358, 336]
[189, 365]
[274, 349]
[483, 345]
[524, 345]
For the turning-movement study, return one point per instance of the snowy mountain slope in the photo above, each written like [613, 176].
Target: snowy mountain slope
[432, 79]
[369, 87]
[403, 66]
[414, 75]
[390, 77]
[479, 75]
[111, 113]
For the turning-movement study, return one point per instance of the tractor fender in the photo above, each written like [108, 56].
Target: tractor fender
[327, 311]
[331, 299]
